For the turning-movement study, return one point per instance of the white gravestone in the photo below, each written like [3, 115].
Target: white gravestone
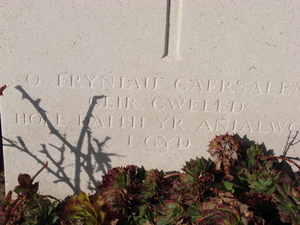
[93, 85]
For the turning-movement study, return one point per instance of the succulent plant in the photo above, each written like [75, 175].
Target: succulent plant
[26, 187]
[150, 189]
[46, 215]
[234, 187]
[84, 210]
[224, 209]
[146, 214]
[224, 152]
[29, 207]
[120, 190]
[288, 200]
[11, 210]
[171, 212]
[180, 207]
[262, 177]
[250, 156]
[198, 168]
[220, 214]
[151, 185]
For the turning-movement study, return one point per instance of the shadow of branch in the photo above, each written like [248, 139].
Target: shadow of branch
[92, 161]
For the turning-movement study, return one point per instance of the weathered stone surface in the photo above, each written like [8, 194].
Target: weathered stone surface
[96, 84]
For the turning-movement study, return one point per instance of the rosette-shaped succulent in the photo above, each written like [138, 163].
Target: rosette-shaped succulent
[174, 211]
[263, 178]
[152, 184]
[219, 214]
[288, 200]
[84, 210]
[120, 190]
[225, 210]
[224, 152]
[199, 168]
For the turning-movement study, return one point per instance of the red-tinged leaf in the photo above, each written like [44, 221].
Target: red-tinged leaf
[284, 212]
[296, 194]
[24, 181]
[217, 217]
[2, 89]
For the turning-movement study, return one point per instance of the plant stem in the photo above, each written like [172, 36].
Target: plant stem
[38, 172]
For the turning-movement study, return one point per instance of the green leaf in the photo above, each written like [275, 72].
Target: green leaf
[228, 185]
[193, 211]
[280, 189]
[21, 191]
[271, 190]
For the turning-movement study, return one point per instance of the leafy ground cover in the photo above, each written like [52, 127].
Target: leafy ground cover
[238, 184]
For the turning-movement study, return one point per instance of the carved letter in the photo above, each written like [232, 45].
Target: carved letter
[255, 87]
[224, 125]
[237, 107]
[98, 120]
[297, 89]
[167, 141]
[33, 80]
[246, 125]
[294, 130]
[155, 79]
[60, 79]
[129, 141]
[158, 104]
[278, 126]
[134, 84]
[21, 120]
[36, 119]
[180, 85]
[142, 122]
[73, 81]
[182, 141]
[268, 88]
[130, 102]
[91, 81]
[81, 119]
[59, 123]
[258, 128]
[177, 123]
[205, 106]
[284, 88]
[221, 106]
[162, 123]
[197, 84]
[205, 125]
[148, 140]
[177, 104]
[194, 105]
[211, 85]
[225, 85]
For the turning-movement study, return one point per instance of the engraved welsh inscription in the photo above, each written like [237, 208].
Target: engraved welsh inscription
[215, 114]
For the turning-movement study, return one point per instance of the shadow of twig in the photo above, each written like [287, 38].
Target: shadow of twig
[83, 161]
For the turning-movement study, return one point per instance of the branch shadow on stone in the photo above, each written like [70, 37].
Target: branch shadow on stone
[92, 161]
[283, 165]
